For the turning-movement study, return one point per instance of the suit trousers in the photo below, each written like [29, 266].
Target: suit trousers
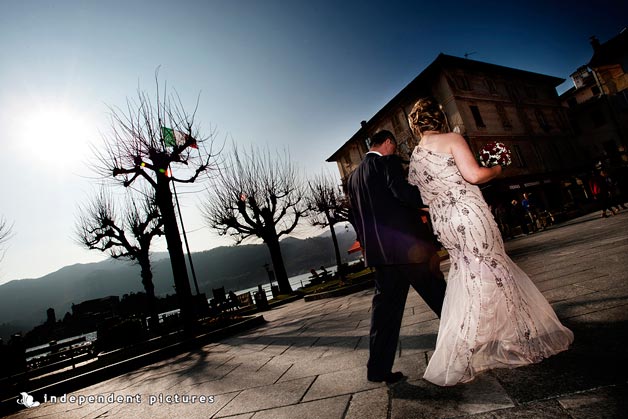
[392, 283]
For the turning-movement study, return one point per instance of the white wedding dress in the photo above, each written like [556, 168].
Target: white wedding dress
[493, 315]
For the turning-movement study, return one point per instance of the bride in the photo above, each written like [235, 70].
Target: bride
[493, 315]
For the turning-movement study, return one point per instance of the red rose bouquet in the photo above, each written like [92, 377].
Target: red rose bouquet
[495, 153]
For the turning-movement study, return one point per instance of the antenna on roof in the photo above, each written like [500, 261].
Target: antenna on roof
[466, 54]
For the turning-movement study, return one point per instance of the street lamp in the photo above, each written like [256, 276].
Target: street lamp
[271, 277]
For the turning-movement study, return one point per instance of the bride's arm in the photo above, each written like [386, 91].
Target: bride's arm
[469, 168]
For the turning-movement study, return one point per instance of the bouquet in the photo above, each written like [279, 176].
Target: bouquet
[495, 153]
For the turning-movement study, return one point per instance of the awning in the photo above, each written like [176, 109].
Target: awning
[355, 247]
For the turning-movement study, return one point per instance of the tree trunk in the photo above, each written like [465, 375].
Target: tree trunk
[149, 287]
[175, 249]
[278, 265]
[339, 267]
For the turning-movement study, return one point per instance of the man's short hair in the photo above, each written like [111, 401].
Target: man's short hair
[381, 137]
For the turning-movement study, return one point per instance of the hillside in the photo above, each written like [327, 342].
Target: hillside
[23, 303]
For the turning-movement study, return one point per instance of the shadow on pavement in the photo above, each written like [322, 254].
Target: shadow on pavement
[597, 358]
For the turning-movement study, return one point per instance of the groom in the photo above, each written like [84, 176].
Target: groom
[386, 212]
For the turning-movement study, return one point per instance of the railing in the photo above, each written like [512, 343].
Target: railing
[59, 355]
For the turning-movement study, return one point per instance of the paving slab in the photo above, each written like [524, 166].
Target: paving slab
[567, 292]
[549, 409]
[336, 343]
[325, 365]
[421, 399]
[602, 403]
[334, 407]
[416, 345]
[267, 397]
[339, 383]
[370, 404]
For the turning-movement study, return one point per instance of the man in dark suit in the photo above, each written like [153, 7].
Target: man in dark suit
[386, 213]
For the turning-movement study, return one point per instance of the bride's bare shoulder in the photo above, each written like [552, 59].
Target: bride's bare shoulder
[441, 142]
[450, 140]
[452, 136]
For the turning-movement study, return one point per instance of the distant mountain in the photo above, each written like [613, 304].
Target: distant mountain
[23, 303]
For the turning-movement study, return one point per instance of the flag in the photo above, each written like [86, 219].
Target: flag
[173, 137]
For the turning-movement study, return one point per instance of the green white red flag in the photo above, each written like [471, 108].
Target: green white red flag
[174, 137]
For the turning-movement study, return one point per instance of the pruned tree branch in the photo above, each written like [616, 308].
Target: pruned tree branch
[128, 235]
[136, 145]
[123, 236]
[257, 195]
[328, 206]
[6, 231]
[254, 194]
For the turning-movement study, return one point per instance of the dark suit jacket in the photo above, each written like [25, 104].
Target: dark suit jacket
[386, 215]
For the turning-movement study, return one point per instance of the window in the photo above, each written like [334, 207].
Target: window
[622, 99]
[540, 117]
[559, 117]
[595, 90]
[346, 160]
[598, 118]
[576, 126]
[503, 116]
[513, 92]
[397, 124]
[531, 92]
[555, 154]
[539, 155]
[523, 116]
[476, 115]
[404, 150]
[519, 155]
[462, 83]
[491, 86]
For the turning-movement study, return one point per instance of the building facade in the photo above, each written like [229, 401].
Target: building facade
[484, 103]
[598, 103]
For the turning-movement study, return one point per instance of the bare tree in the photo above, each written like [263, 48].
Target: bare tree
[6, 231]
[257, 195]
[328, 206]
[125, 236]
[148, 141]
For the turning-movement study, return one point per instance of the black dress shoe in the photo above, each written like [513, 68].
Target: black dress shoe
[390, 378]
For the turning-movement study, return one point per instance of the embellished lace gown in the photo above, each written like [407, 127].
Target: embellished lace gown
[493, 315]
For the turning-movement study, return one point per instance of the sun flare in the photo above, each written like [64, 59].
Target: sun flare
[55, 136]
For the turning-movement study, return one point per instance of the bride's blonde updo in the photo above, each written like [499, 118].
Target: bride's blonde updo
[426, 115]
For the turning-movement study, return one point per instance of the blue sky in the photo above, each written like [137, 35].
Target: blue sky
[294, 74]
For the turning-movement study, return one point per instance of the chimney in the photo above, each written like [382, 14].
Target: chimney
[595, 43]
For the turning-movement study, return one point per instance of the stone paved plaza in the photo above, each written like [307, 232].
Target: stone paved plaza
[308, 360]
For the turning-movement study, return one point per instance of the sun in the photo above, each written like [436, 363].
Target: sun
[55, 136]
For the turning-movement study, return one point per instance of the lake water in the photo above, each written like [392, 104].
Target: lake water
[295, 282]
[89, 337]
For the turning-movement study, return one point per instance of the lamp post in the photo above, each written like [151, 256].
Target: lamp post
[270, 273]
[271, 278]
